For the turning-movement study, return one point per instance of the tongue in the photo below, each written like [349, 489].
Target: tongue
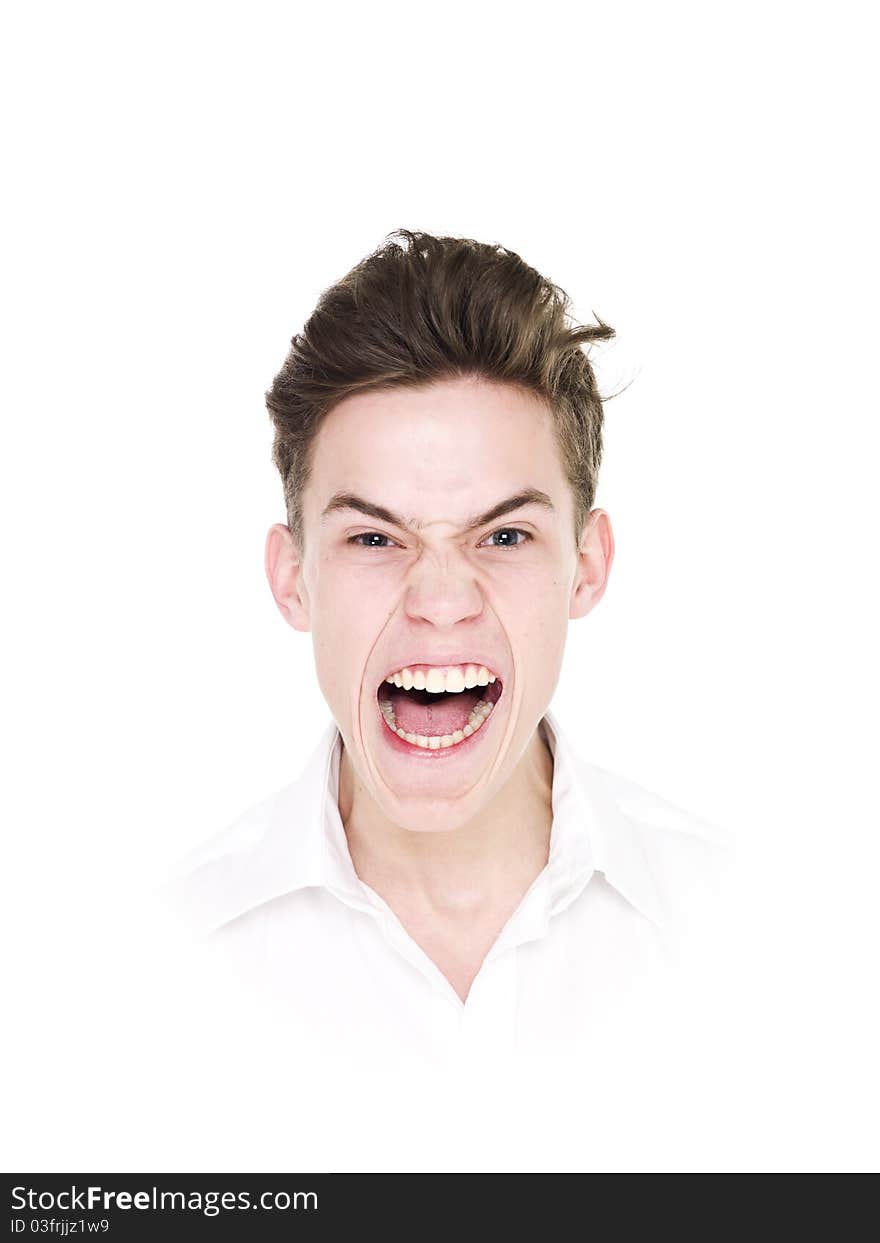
[419, 712]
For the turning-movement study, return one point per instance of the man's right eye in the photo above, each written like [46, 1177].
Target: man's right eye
[368, 535]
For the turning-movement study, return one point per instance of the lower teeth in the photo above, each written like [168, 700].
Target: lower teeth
[475, 720]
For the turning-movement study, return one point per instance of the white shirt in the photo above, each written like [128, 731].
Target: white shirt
[628, 875]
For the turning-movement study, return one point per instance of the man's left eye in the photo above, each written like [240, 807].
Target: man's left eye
[511, 531]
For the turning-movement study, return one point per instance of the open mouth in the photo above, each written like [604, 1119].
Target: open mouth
[440, 720]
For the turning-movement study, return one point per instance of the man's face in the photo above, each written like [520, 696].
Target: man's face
[380, 597]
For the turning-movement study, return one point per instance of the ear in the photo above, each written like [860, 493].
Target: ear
[284, 572]
[595, 555]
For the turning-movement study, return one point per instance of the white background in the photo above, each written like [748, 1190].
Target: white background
[182, 181]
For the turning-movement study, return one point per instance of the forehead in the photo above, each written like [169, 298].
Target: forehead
[435, 452]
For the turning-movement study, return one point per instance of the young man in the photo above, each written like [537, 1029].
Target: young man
[445, 863]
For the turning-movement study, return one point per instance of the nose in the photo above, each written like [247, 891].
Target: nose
[442, 592]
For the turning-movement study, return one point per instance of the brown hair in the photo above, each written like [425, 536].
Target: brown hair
[438, 308]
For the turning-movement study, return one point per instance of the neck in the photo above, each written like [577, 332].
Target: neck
[486, 864]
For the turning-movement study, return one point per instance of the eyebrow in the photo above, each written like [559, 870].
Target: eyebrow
[348, 500]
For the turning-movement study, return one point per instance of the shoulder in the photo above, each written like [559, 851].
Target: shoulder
[211, 884]
[271, 848]
[239, 837]
[660, 822]
[687, 858]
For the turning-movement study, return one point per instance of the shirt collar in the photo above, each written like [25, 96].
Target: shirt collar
[296, 839]
[615, 836]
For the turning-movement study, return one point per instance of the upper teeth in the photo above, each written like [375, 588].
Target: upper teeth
[441, 678]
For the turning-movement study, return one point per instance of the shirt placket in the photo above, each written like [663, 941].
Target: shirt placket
[487, 1021]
